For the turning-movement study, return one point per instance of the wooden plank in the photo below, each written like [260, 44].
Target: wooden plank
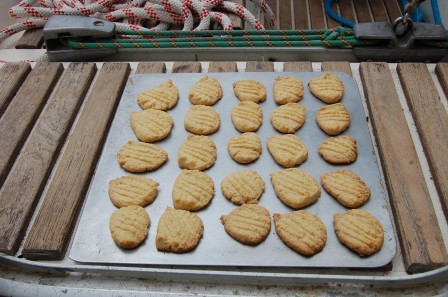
[22, 112]
[150, 67]
[431, 120]
[12, 76]
[285, 21]
[27, 178]
[187, 67]
[298, 66]
[337, 66]
[362, 11]
[442, 74]
[222, 67]
[379, 11]
[31, 39]
[317, 16]
[258, 66]
[420, 238]
[394, 9]
[300, 14]
[50, 233]
[346, 9]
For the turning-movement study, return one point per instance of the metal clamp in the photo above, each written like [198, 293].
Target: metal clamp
[59, 28]
[400, 47]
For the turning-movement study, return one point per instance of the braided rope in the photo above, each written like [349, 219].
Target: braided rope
[134, 14]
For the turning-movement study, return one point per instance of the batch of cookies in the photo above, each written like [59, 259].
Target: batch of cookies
[180, 230]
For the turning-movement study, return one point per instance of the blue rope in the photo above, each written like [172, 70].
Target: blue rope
[436, 12]
[335, 16]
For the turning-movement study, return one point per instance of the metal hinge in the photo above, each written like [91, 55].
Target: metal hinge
[60, 28]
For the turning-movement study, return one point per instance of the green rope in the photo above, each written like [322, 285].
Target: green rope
[338, 37]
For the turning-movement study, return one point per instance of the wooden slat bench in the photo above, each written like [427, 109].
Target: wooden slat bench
[68, 159]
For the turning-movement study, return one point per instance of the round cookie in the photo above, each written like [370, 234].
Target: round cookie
[247, 116]
[288, 118]
[302, 231]
[178, 231]
[197, 153]
[359, 231]
[244, 186]
[137, 156]
[333, 119]
[132, 190]
[249, 224]
[192, 190]
[295, 187]
[245, 148]
[287, 150]
[288, 89]
[249, 90]
[129, 226]
[151, 125]
[161, 97]
[346, 187]
[202, 120]
[328, 88]
[206, 91]
[339, 150]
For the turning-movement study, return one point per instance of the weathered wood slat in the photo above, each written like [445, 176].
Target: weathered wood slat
[12, 76]
[187, 67]
[222, 67]
[317, 15]
[51, 231]
[27, 178]
[379, 11]
[150, 67]
[431, 120]
[346, 8]
[298, 66]
[442, 74]
[22, 112]
[31, 39]
[394, 9]
[300, 15]
[337, 66]
[285, 21]
[362, 11]
[420, 238]
[258, 66]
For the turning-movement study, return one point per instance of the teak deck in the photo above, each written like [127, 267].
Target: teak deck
[54, 122]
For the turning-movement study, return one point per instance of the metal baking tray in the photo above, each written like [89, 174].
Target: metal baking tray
[93, 243]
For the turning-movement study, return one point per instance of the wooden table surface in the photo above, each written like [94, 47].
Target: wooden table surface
[54, 119]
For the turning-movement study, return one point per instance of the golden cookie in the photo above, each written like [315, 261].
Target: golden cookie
[137, 156]
[197, 152]
[192, 190]
[129, 226]
[249, 224]
[207, 91]
[161, 97]
[359, 231]
[202, 120]
[333, 119]
[247, 116]
[346, 187]
[295, 187]
[245, 148]
[339, 150]
[301, 231]
[288, 118]
[244, 186]
[178, 231]
[328, 88]
[288, 89]
[249, 90]
[132, 190]
[151, 125]
[287, 150]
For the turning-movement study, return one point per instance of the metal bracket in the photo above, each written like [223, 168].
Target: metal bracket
[61, 27]
[400, 48]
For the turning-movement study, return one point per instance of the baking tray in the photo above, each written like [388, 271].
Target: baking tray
[93, 244]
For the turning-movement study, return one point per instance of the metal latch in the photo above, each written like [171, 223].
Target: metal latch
[400, 47]
[61, 28]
